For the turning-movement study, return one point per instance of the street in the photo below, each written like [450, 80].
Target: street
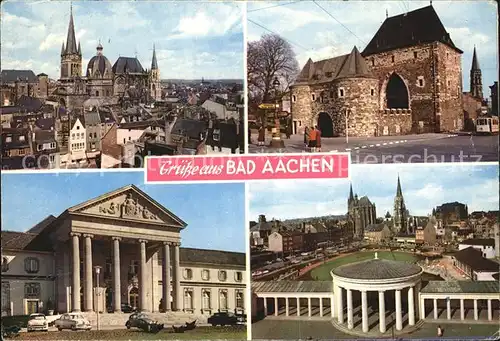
[423, 148]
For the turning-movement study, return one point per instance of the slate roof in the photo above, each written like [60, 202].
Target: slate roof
[29, 103]
[13, 240]
[192, 128]
[228, 137]
[217, 257]
[42, 136]
[377, 269]
[364, 201]
[45, 123]
[92, 118]
[11, 76]
[375, 227]
[293, 286]
[474, 259]
[415, 27]
[262, 226]
[479, 241]
[127, 64]
[41, 225]
[461, 287]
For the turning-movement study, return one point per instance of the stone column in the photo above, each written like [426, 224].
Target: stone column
[177, 278]
[143, 278]
[88, 294]
[435, 304]
[265, 306]
[298, 306]
[448, 309]
[399, 317]
[411, 306]
[350, 321]
[462, 309]
[364, 311]
[276, 308]
[309, 312]
[490, 312]
[381, 311]
[287, 307]
[476, 312]
[340, 304]
[75, 286]
[332, 305]
[422, 308]
[321, 307]
[165, 276]
[117, 297]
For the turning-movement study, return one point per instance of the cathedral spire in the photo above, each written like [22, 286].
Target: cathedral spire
[475, 63]
[399, 192]
[70, 39]
[154, 63]
[476, 79]
[351, 196]
[62, 49]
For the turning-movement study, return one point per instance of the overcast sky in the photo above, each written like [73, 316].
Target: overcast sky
[315, 34]
[193, 40]
[424, 187]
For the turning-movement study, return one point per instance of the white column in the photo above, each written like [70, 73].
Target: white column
[287, 307]
[399, 317]
[143, 283]
[435, 303]
[321, 306]
[340, 304]
[165, 277]
[364, 311]
[350, 323]
[422, 308]
[332, 305]
[177, 278]
[276, 308]
[309, 312]
[116, 276]
[381, 311]
[87, 284]
[462, 309]
[448, 309]
[490, 312]
[411, 306]
[476, 312]
[265, 306]
[75, 285]
[298, 306]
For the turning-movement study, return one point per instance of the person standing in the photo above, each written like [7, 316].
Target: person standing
[306, 137]
[312, 139]
[318, 139]
[262, 136]
[439, 331]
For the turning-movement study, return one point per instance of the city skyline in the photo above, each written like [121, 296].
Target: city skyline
[192, 40]
[321, 30]
[423, 190]
[217, 222]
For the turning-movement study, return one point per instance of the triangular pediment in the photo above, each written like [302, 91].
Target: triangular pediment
[129, 203]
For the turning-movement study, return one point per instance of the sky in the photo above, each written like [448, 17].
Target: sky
[314, 34]
[424, 187]
[215, 213]
[193, 40]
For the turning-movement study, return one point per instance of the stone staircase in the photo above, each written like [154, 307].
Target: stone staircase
[170, 318]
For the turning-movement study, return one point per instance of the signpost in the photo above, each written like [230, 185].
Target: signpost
[268, 106]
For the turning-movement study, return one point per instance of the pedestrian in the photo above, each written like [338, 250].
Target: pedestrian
[249, 135]
[440, 331]
[288, 130]
[318, 139]
[306, 137]
[312, 139]
[262, 136]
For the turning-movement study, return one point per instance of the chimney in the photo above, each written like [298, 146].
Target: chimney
[262, 218]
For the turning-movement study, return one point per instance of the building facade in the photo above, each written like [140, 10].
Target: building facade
[362, 212]
[401, 214]
[136, 242]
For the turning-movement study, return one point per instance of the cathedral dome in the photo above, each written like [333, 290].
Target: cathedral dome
[99, 66]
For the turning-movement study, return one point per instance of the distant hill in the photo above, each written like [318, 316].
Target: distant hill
[213, 81]
[302, 220]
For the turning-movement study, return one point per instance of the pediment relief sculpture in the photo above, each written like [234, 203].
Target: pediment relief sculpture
[129, 208]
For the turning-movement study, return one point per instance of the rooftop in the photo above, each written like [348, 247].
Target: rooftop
[292, 286]
[479, 241]
[459, 287]
[377, 269]
[474, 259]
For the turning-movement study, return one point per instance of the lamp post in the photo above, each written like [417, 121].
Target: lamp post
[97, 272]
[276, 141]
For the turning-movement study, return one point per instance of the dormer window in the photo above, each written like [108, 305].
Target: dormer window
[8, 139]
[392, 59]
[216, 135]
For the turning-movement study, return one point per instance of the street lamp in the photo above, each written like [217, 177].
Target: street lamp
[276, 141]
[97, 272]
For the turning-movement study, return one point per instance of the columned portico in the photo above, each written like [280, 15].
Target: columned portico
[88, 295]
[381, 311]
[143, 275]
[116, 275]
[165, 272]
[177, 278]
[75, 289]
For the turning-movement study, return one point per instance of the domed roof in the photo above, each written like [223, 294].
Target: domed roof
[377, 269]
[99, 66]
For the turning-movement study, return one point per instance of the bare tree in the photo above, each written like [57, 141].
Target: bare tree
[269, 57]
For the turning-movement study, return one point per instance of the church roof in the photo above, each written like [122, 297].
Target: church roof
[364, 201]
[416, 27]
[377, 269]
[11, 76]
[475, 62]
[127, 64]
[71, 47]
[154, 63]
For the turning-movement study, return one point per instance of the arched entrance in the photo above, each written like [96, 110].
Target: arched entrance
[325, 124]
[133, 297]
[396, 93]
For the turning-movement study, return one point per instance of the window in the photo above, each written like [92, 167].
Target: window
[188, 274]
[31, 265]
[52, 145]
[223, 299]
[97, 93]
[372, 92]
[22, 138]
[341, 92]
[313, 97]
[392, 59]
[420, 81]
[329, 74]
[207, 302]
[73, 135]
[52, 158]
[134, 267]
[238, 276]
[8, 139]
[77, 127]
[373, 61]
[216, 135]
[239, 300]
[32, 290]
[5, 264]
[294, 98]
[205, 274]
[222, 275]
[415, 54]
[5, 296]
[39, 147]
[188, 299]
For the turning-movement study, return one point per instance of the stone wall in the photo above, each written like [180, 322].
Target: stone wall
[394, 122]
[472, 109]
[301, 106]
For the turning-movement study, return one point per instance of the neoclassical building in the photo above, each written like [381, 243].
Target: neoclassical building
[136, 243]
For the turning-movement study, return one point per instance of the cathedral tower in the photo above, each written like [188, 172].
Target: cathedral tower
[400, 212]
[71, 54]
[155, 84]
[476, 81]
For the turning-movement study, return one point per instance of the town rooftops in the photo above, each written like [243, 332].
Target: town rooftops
[479, 241]
[203, 256]
[474, 259]
[377, 269]
[292, 286]
[11, 76]
[375, 227]
[461, 287]
[415, 27]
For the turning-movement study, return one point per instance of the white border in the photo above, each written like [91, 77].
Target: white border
[245, 76]
[248, 296]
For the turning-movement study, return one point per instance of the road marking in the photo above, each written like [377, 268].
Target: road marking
[363, 146]
[390, 142]
[384, 144]
[371, 145]
[378, 144]
[348, 149]
[356, 147]
[334, 151]
[405, 140]
[396, 142]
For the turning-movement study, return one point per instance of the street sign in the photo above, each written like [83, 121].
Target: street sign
[268, 106]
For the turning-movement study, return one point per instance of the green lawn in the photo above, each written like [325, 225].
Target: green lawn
[322, 272]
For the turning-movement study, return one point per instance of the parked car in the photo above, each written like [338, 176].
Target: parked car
[125, 308]
[38, 322]
[226, 319]
[73, 321]
[143, 322]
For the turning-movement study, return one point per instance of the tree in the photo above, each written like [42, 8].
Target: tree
[269, 57]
